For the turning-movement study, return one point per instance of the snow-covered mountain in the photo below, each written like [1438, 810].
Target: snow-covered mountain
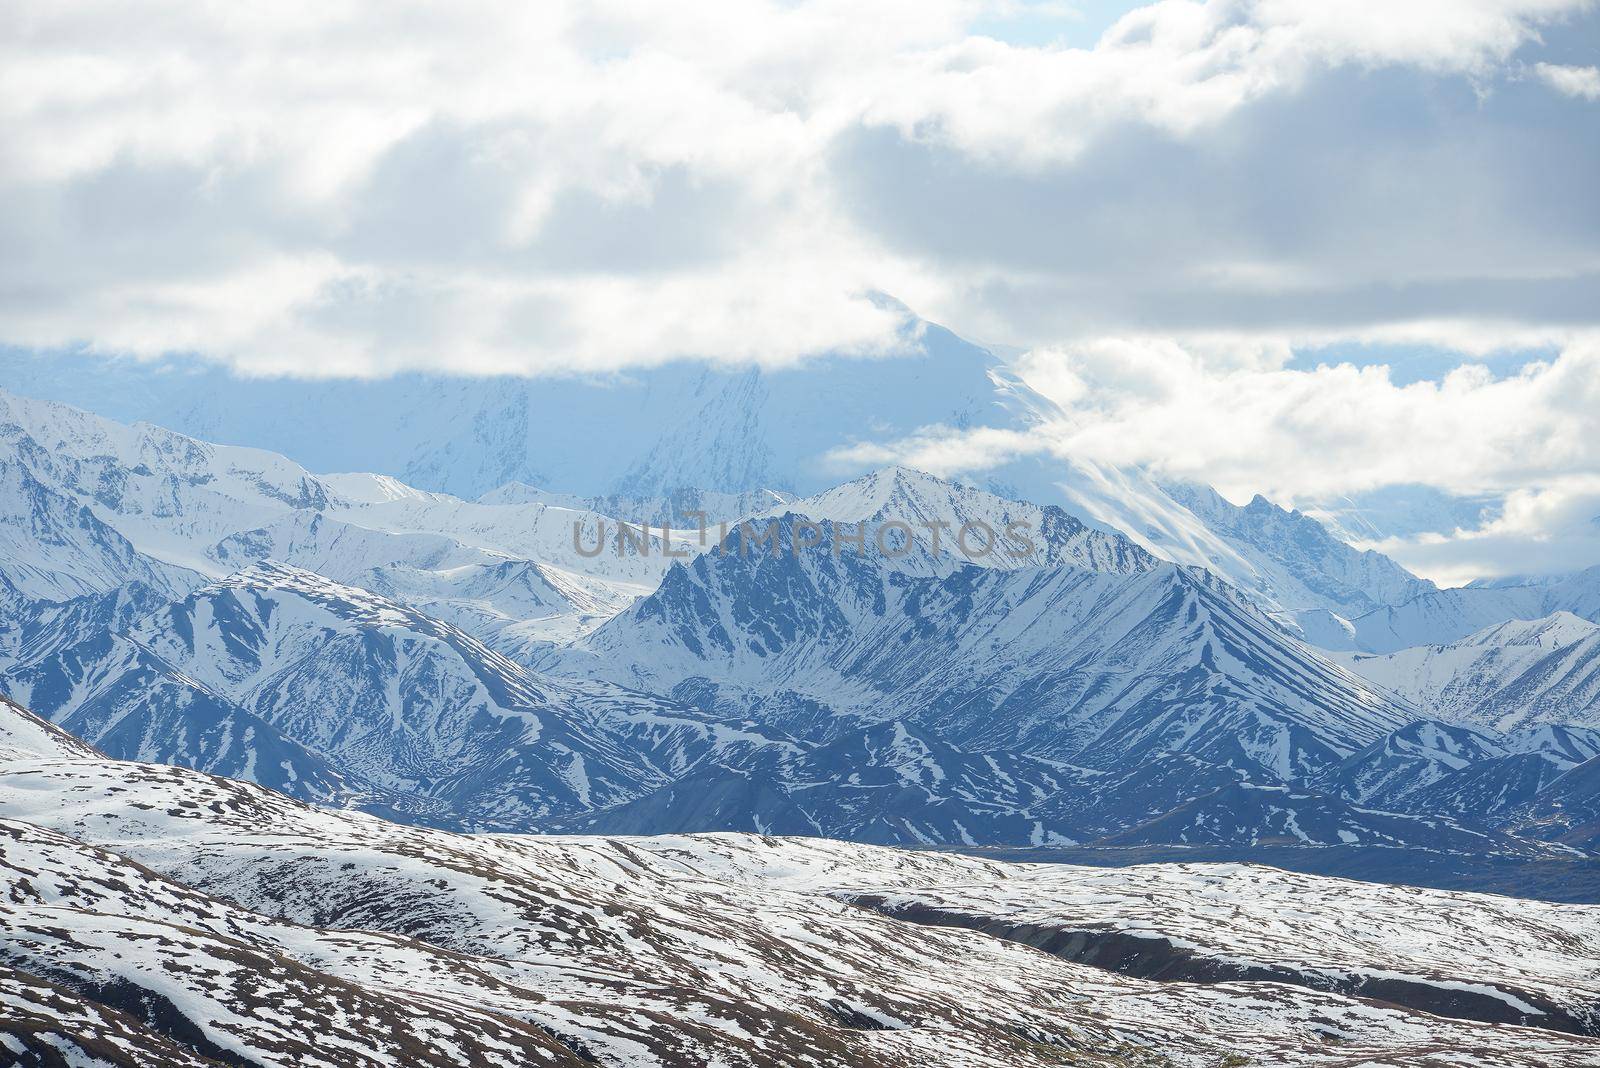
[53, 547]
[1255, 815]
[1105, 667]
[281, 676]
[1299, 563]
[944, 525]
[642, 434]
[683, 508]
[1568, 810]
[645, 445]
[889, 784]
[1403, 511]
[1429, 768]
[1511, 675]
[357, 641]
[1447, 616]
[88, 505]
[158, 915]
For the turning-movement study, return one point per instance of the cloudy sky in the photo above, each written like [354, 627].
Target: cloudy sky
[1304, 247]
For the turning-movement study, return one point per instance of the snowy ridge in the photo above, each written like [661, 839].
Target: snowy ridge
[951, 524]
[1299, 563]
[1511, 675]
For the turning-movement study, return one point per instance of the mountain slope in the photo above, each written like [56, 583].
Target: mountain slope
[54, 548]
[888, 784]
[88, 505]
[1300, 564]
[1511, 675]
[951, 524]
[1429, 768]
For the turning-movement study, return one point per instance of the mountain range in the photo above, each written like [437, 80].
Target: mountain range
[1060, 653]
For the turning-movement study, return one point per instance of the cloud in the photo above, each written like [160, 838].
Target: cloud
[1542, 530]
[1248, 424]
[1574, 81]
[360, 188]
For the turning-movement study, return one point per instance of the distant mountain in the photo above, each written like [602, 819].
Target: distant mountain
[654, 443]
[683, 508]
[33, 630]
[1429, 768]
[643, 434]
[88, 505]
[994, 670]
[1402, 511]
[167, 494]
[1274, 815]
[1448, 616]
[888, 784]
[53, 546]
[1409, 761]
[1568, 810]
[950, 525]
[1510, 675]
[1299, 563]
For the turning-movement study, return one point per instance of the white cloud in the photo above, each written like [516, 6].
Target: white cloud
[354, 187]
[1581, 82]
[1541, 530]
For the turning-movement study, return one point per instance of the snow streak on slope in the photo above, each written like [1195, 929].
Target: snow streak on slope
[268, 931]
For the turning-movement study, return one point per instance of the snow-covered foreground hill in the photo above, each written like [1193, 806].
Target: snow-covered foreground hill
[158, 915]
